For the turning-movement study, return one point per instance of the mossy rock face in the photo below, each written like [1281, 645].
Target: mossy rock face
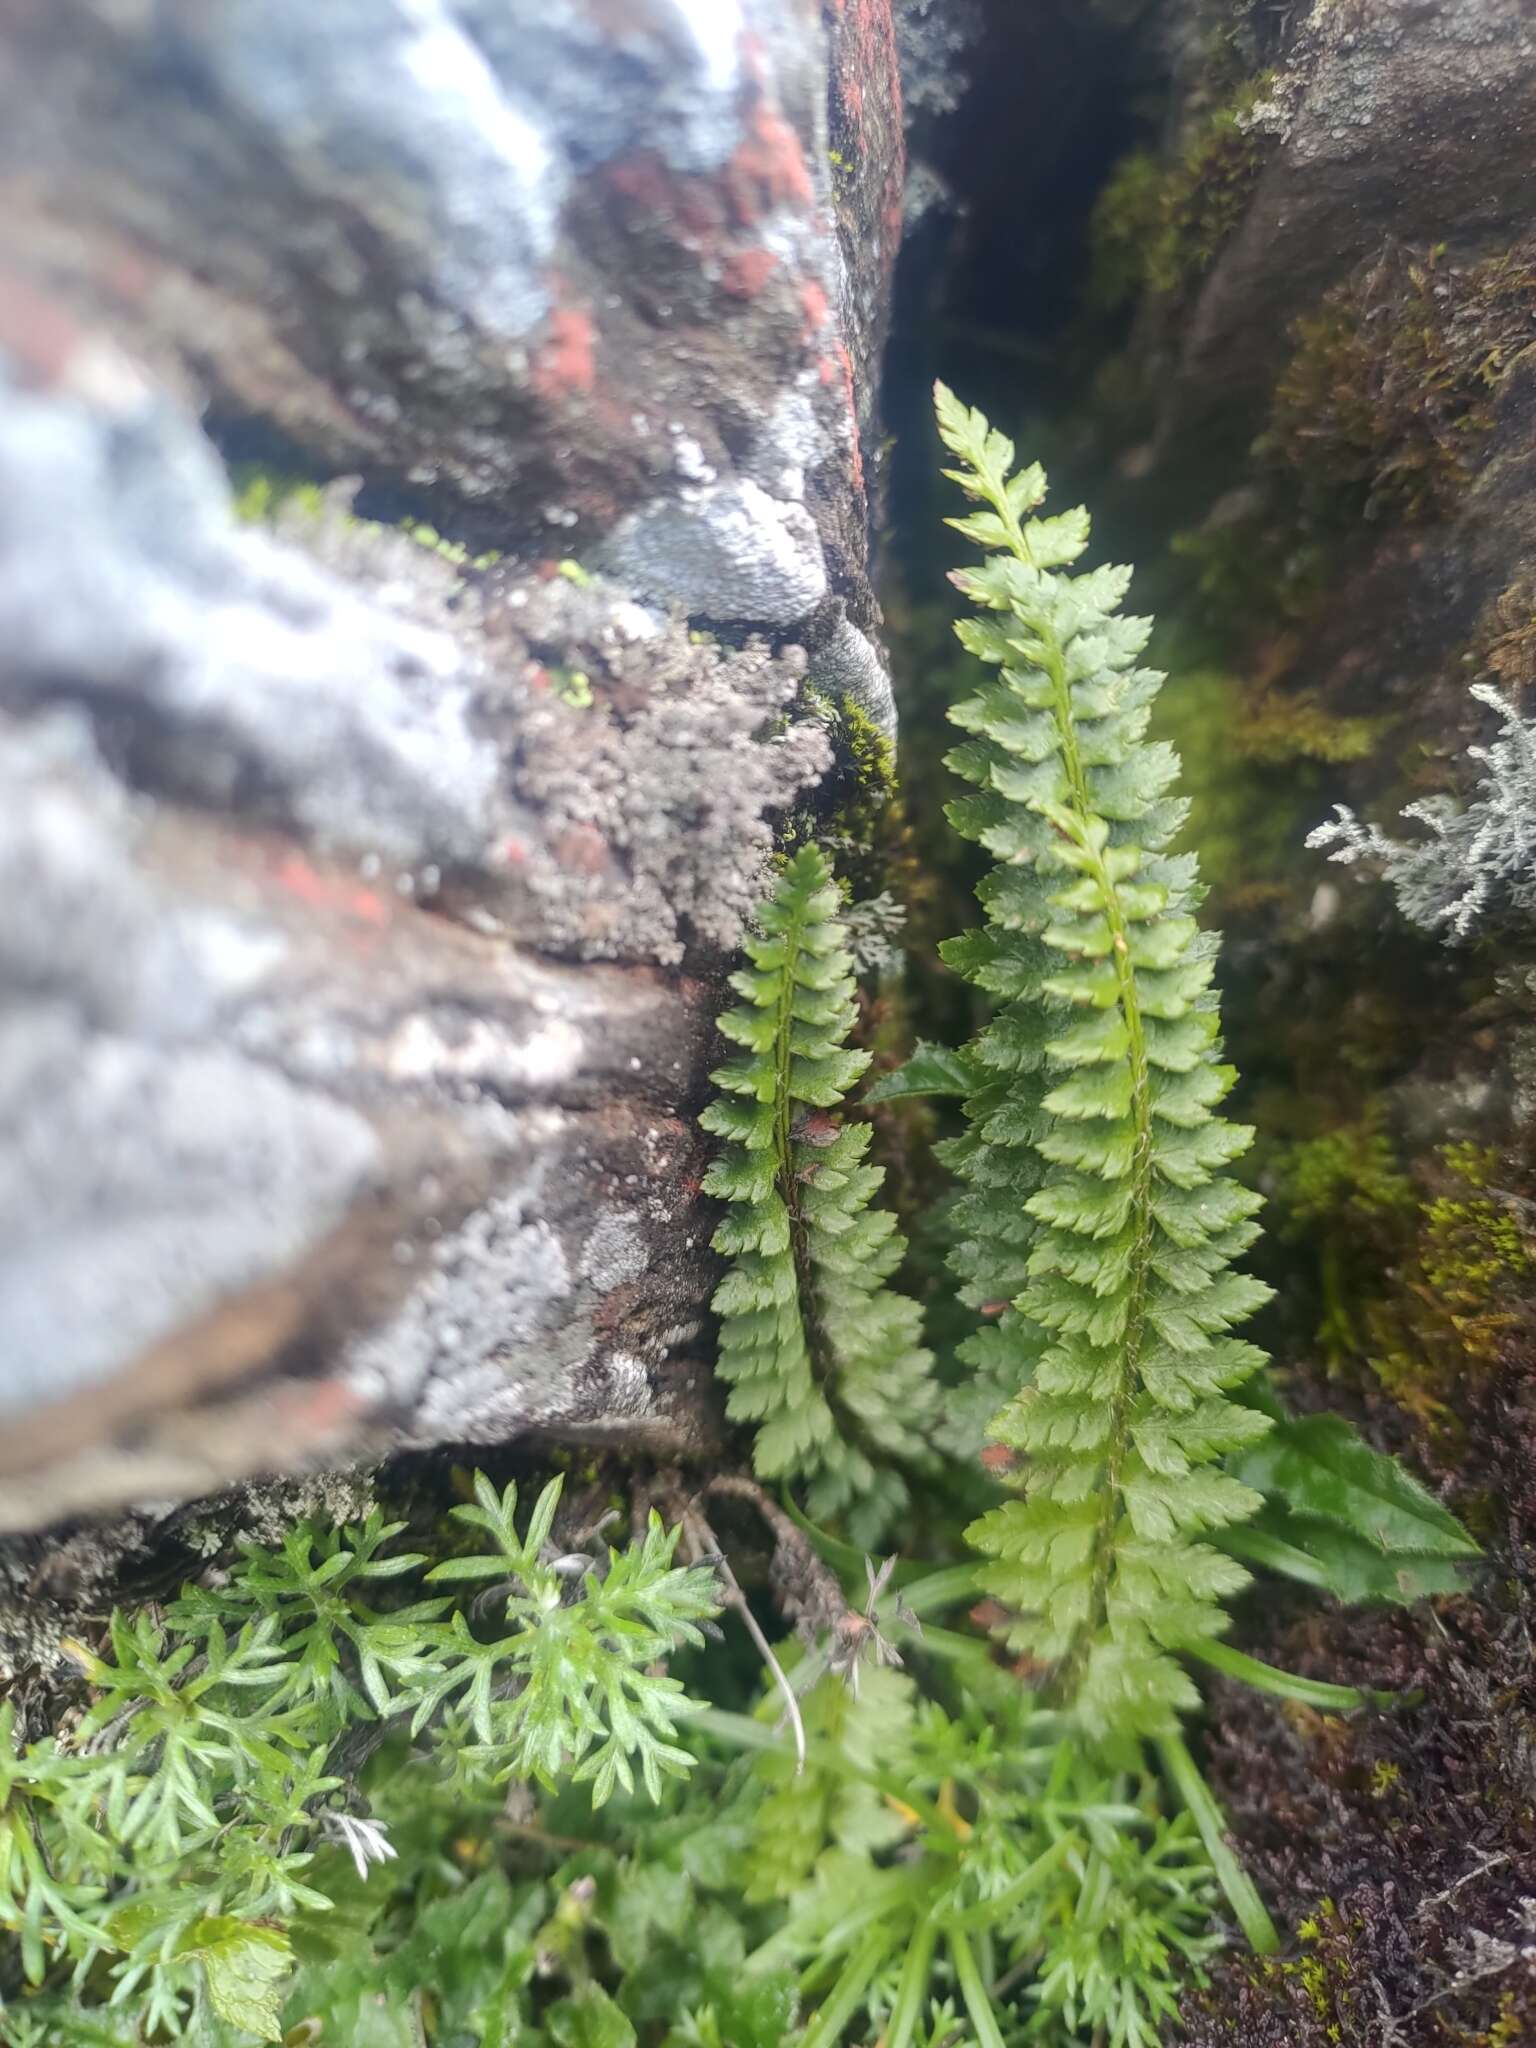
[1385, 406]
[1395, 124]
[1161, 222]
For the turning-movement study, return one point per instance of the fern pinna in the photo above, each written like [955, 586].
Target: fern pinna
[1094, 1152]
[820, 1353]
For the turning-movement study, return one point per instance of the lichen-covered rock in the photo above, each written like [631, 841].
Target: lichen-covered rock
[296, 1164]
[652, 759]
[363, 894]
[239, 677]
[511, 257]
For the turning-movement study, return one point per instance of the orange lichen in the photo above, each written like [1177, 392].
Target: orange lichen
[567, 363]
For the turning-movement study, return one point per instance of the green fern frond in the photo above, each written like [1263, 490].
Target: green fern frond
[820, 1353]
[1095, 1201]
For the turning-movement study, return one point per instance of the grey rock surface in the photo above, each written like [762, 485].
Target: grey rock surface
[364, 897]
[725, 550]
[252, 680]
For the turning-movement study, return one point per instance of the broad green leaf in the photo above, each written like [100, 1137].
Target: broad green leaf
[1334, 1560]
[246, 1966]
[932, 1070]
[589, 2019]
[1317, 1466]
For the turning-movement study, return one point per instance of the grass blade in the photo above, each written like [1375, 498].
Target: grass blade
[1242, 1894]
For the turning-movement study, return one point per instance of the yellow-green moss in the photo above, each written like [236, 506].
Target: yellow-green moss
[1161, 222]
[1279, 727]
[572, 686]
[1249, 750]
[1416, 1288]
[1350, 1170]
[1472, 1251]
[871, 750]
[262, 496]
[1324, 1970]
[451, 550]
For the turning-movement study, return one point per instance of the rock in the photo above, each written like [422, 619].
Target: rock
[497, 256]
[723, 550]
[364, 895]
[1407, 121]
[1335, 380]
[247, 680]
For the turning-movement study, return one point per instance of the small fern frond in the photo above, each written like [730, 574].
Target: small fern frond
[819, 1351]
[1095, 1202]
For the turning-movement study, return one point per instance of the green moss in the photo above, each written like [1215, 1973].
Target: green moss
[1126, 226]
[1280, 727]
[1242, 578]
[451, 550]
[1384, 402]
[1350, 1171]
[871, 751]
[1244, 844]
[260, 494]
[853, 815]
[1472, 1251]
[1249, 750]
[1161, 222]
[1343, 1193]
[1416, 1286]
[263, 496]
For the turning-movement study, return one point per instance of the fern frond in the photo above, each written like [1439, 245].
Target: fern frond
[819, 1352]
[1093, 1158]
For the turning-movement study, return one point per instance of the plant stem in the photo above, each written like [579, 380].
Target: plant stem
[1287, 1685]
[1129, 1004]
[1252, 1915]
[703, 1542]
[739, 1730]
[784, 1168]
[913, 1988]
[820, 1356]
[974, 1991]
[1257, 1546]
[842, 2001]
[991, 1911]
[941, 1589]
